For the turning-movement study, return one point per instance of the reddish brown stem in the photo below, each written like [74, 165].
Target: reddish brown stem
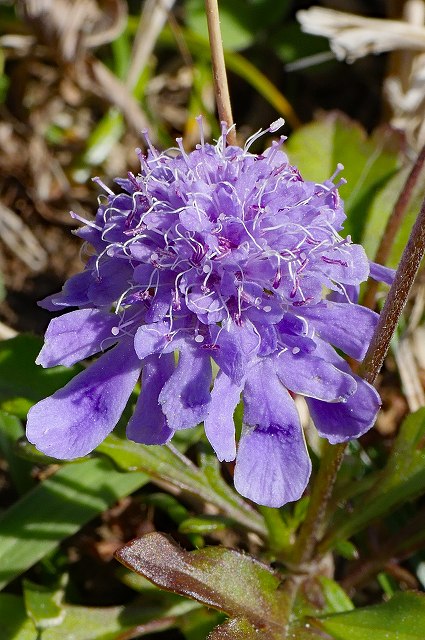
[332, 457]
[396, 299]
[393, 225]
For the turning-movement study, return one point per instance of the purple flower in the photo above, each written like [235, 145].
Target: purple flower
[223, 255]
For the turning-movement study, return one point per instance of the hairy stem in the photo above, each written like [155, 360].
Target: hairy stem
[396, 299]
[413, 253]
[393, 224]
[221, 87]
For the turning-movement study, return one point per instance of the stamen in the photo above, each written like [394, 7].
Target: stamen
[98, 181]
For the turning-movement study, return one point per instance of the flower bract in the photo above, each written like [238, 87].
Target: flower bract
[214, 255]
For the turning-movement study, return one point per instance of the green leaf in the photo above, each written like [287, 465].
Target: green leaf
[336, 600]
[291, 43]
[303, 630]
[21, 378]
[402, 618]
[238, 629]
[200, 623]
[381, 207]
[318, 147]
[85, 623]
[205, 524]
[110, 623]
[165, 463]
[104, 137]
[235, 34]
[15, 625]
[57, 508]
[221, 578]
[402, 479]
[20, 470]
[176, 511]
[241, 21]
[320, 595]
[43, 605]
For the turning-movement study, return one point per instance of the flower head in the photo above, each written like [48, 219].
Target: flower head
[224, 255]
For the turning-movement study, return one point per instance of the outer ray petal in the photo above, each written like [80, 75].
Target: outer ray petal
[346, 420]
[148, 423]
[313, 377]
[75, 419]
[185, 397]
[219, 425]
[272, 464]
[76, 335]
[347, 326]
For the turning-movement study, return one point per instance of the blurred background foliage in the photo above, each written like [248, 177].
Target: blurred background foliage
[79, 80]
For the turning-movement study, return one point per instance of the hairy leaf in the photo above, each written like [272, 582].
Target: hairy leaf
[224, 579]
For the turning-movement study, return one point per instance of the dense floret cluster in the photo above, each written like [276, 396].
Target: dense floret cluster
[217, 255]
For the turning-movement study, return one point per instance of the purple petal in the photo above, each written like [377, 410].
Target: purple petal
[272, 464]
[185, 397]
[159, 308]
[347, 326]
[75, 419]
[351, 294]
[76, 335]
[148, 424]
[219, 424]
[73, 294]
[236, 347]
[346, 420]
[207, 306]
[268, 338]
[349, 267]
[109, 283]
[382, 274]
[151, 338]
[313, 377]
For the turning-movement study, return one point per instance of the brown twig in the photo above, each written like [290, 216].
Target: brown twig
[221, 87]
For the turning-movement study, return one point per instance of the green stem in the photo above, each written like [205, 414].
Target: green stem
[278, 533]
[221, 87]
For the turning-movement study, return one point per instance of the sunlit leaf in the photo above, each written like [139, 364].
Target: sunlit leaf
[204, 525]
[381, 207]
[241, 21]
[319, 595]
[104, 137]
[163, 463]
[221, 578]
[43, 605]
[15, 625]
[318, 147]
[402, 618]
